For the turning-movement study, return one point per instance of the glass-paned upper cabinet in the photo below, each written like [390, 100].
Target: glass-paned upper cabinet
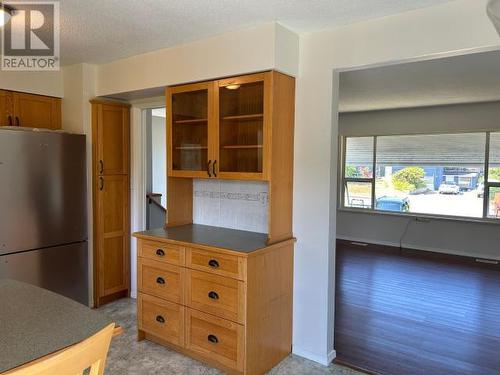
[241, 135]
[189, 117]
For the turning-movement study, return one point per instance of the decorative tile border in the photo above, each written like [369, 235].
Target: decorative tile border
[262, 197]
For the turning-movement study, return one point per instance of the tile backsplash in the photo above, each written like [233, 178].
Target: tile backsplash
[231, 204]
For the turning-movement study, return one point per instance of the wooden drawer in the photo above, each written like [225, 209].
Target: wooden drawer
[161, 318]
[216, 295]
[161, 280]
[213, 262]
[214, 338]
[160, 251]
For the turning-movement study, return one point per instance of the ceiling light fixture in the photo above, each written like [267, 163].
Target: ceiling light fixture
[5, 14]
[493, 10]
[233, 86]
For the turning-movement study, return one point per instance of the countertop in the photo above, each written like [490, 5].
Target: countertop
[230, 239]
[35, 322]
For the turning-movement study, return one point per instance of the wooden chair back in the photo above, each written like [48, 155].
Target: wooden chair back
[73, 360]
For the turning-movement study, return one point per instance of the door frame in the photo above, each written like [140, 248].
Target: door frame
[138, 170]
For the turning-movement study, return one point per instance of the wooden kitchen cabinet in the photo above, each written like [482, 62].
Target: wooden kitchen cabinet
[230, 128]
[223, 306]
[29, 110]
[111, 200]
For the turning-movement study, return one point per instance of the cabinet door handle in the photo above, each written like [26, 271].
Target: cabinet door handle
[215, 169]
[10, 120]
[208, 168]
[101, 187]
[101, 166]
[160, 253]
[160, 319]
[160, 280]
[213, 295]
[213, 263]
[18, 123]
[213, 339]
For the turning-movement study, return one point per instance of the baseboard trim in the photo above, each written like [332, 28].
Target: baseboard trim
[324, 360]
[420, 248]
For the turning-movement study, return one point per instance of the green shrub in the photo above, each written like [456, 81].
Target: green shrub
[409, 179]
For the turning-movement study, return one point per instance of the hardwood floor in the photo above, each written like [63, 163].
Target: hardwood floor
[409, 313]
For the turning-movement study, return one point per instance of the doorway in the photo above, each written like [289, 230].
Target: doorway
[156, 167]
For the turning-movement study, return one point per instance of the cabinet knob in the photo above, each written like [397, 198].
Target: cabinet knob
[160, 319]
[213, 263]
[213, 295]
[160, 252]
[10, 120]
[160, 280]
[213, 339]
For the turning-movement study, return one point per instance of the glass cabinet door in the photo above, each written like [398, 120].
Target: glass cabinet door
[190, 113]
[241, 127]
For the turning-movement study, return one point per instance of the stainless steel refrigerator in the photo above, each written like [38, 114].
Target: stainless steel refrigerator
[43, 216]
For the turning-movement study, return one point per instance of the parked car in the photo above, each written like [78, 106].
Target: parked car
[480, 190]
[395, 204]
[449, 188]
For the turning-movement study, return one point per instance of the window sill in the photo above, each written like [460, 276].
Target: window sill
[420, 217]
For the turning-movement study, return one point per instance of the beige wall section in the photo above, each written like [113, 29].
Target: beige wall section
[42, 83]
[455, 26]
[79, 88]
[228, 54]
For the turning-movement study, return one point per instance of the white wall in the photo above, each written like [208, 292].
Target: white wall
[244, 51]
[455, 26]
[42, 83]
[159, 157]
[79, 88]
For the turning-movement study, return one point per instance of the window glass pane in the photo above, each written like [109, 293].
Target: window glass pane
[431, 174]
[494, 170]
[359, 157]
[494, 202]
[358, 195]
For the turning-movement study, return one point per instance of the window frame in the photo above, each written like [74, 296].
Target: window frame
[372, 210]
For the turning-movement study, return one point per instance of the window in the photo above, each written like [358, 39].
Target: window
[440, 174]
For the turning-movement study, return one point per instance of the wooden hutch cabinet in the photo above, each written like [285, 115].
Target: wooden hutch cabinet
[224, 129]
[221, 295]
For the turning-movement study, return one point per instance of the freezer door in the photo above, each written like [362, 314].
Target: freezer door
[42, 189]
[61, 269]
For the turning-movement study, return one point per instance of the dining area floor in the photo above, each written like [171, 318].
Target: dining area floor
[128, 356]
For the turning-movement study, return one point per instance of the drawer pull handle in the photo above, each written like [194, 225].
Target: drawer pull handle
[213, 339]
[160, 280]
[213, 263]
[213, 295]
[160, 253]
[160, 319]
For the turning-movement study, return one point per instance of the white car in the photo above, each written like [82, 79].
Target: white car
[449, 189]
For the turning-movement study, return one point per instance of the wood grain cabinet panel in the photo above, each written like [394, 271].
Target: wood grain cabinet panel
[216, 263]
[160, 280]
[6, 110]
[217, 295]
[162, 252]
[111, 200]
[215, 338]
[161, 318]
[36, 111]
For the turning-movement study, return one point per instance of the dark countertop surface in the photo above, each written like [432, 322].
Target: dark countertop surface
[231, 239]
[35, 322]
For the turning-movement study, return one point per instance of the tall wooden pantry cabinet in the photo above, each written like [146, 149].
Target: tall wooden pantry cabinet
[111, 200]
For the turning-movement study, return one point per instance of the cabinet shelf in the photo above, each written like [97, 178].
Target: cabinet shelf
[191, 121]
[191, 148]
[230, 147]
[244, 117]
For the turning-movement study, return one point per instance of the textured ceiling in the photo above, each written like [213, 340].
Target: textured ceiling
[98, 31]
[459, 79]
